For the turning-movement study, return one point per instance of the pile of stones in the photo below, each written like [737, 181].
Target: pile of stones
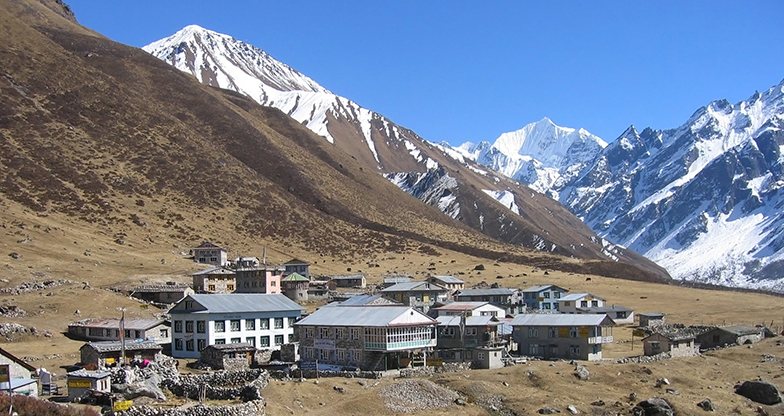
[416, 395]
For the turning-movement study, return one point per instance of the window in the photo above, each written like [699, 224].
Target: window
[177, 328]
[355, 356]
[220, 326]
[234, 325]
[573, 331]
[250, 324]
[291, 321]
[200, 327]
[189, 345]
[211, 288]
[471, 331]
[178, 344]
[278, 339]
[291, 338]
[236, 340]
[533, 332]
[251, 340]
[339, 333]
[264, 341]
[309, 332]
[655, 345]
[621, 315]
[138, 334]
[557, 295]
[567, 303]
[595, 303]
[546, 305]
[324, 355]
[324, 332]
[219, 341]
[574, 350]
[583, 303]
[189, 327]
[273, 283]
[546, 295]
[354, 333]
[278, 323]
[230, 288]
[188, 304]
[480, 356]
[164, 333]
[533, 349]
[201, 343]
[128, 332]
[213, 259]
[264, 323]
[341, 355]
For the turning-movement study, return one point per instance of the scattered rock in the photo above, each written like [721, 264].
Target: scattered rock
[759, 391]
[581, 372]
[632, 397]
[662, 381]
[548, 411]
[15, 255]
[573, 410]
[707, 405]
[339, 389]
[460, 402]
[598, 403]
[653, 407]
[673, 392]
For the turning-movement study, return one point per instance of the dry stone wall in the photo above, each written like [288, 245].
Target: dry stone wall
[255, 408]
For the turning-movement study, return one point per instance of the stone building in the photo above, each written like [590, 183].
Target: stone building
[621, 315]
[297, 266]
[461, 338]
[21, 375]
[295, 286]
[677, 344]
[651, 319]
[231, 357]
[266, 321]
[419, 295]
[80, 381]
[349, 280]
[506, 298]
[372, 338]
[108, 329]
[451, 283]
[101, 354]
[577, 337]
[169, 293]
[253, 276]
[729, 335]
[209, 253]
[214, 280]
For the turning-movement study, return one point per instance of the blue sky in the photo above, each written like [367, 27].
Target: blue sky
[461, 71]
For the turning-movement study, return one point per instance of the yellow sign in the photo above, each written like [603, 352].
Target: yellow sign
[583, 331]
[5, 373]
[563, 332]
[638, 333]
[80, 383]
[437, 361]
[123, 405]
[539, 299]
[109, 360]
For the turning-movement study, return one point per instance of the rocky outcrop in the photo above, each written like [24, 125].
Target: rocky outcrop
[759, 391]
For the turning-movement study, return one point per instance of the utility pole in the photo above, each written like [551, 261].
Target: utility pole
[122, 337]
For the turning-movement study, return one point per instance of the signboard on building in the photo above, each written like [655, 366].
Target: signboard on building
[122, 405]
[80, 383]
[5, 373]
[324, 344]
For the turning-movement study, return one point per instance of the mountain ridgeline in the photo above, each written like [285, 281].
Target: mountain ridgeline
[703, 200]
[114, 141]
[463, 190]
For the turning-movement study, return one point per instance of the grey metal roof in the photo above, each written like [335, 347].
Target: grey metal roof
[113, 323]
[540, 288]
[296, 262]
[578, 296]
[498, 291]
[470, 321]
[130, 345]
[462, 306]
[448, 279]
[414, 287]
[239, 302]
[89, 374]
[209, 245]
[214, 270]
[361, 300]
[236, 346]
[347, 277]
[363, 316]
[561, 319]
[651, 314]
[606, 309]
[673, 336]
[740, 329]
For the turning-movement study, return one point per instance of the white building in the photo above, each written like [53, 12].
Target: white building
[470, 309]
[266, 321]
[571, 303]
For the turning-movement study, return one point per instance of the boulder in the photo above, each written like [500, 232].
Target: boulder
[548, 411]
[707, 405]
[653, 407]
[759, 391]
[581, 372]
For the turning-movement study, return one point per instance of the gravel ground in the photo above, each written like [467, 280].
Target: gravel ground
[415, 395]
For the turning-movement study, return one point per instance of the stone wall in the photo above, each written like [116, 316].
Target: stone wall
[225, 385]
[251, 408]
[295, 374]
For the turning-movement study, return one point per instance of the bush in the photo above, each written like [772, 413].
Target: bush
[25, 405]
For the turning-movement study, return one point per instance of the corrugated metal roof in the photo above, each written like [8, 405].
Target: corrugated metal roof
[295, 277]
[651, 314]
[240, 302]
[347, 277]
[414, 287]
[130, 345]
[461, 306]
[113, 323]
[606, 309]
[214, 270]
[561, 319]
[89, 374]
[296, 262]
[363, 316]
[540, 288]
[499, 291]
[578, 296]
[470, 321]
[448, 279]
[741, 329]
[236, 346]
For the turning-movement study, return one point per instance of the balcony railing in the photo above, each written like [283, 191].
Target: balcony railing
[600, 340]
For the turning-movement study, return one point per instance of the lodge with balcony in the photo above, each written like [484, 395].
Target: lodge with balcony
[575, 337]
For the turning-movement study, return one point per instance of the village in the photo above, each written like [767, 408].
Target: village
[252, 321]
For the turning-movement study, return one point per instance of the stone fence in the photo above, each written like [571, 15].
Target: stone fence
[251, 408]
[311, 373]
[225, 385]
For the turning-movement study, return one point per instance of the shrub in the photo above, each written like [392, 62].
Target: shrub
[25, 405]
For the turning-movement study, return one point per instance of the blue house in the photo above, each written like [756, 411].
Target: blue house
[543, 297]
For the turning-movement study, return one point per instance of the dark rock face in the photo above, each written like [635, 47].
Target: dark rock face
[759, 391]
[653, 407]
